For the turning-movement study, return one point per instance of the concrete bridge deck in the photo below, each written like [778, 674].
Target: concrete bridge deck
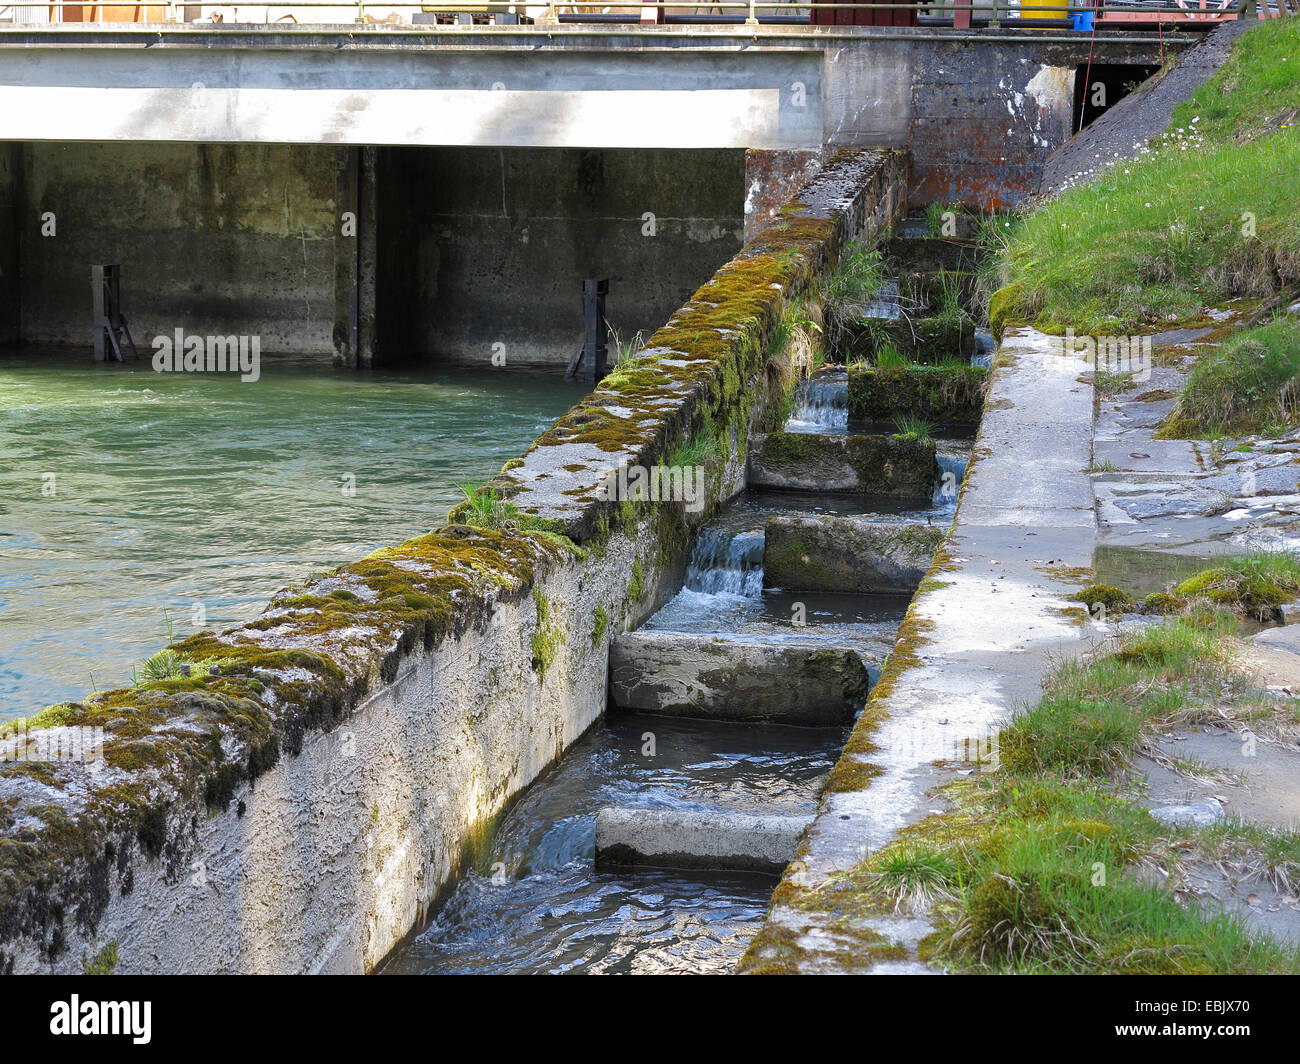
[774, 87]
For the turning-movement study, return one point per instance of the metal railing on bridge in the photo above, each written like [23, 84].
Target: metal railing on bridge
[1029, 15]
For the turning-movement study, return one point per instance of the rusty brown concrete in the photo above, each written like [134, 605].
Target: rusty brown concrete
[985, 119]
[771, 180]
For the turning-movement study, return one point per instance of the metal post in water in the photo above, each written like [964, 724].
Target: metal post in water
[109, 323]
[594, 350]
[98, 312]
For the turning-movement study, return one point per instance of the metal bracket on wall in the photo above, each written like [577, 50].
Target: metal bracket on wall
[595, 351]
[110, 325]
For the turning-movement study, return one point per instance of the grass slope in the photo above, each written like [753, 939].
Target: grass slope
[1208, 214]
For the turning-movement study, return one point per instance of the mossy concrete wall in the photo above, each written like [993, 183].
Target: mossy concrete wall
[870, 465]
[933, 393]
[772, 178]
[708, 371]
[298, 802]
[846, 554]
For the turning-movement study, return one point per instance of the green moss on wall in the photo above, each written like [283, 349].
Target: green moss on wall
[1005, 308]
[934, 393]
[547, 637]
[190, 742]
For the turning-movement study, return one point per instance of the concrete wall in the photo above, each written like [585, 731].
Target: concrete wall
[984, 120]
[340, 850]
[10, 212]
[480, 246]
[299, 810]
[225, 239]
[452, 249]
[980, 110]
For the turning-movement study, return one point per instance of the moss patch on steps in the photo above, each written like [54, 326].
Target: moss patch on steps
[953, 393]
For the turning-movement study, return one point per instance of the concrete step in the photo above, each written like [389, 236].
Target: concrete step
[826, 553]
[917, 226]
[930, 254]
[825, 464]
[656, 838]
[683, 675]
[939, 394]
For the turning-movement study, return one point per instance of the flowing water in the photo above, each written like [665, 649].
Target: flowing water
[543, 906]
[821, 406]
[723, 592]
[821, 403]
[985, 348]
[952, 454]
[125, 493]
[539, 905]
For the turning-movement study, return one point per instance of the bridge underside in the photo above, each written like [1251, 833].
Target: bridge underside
[484, 174]
[551, 99]
[374, 255]
[978, 109]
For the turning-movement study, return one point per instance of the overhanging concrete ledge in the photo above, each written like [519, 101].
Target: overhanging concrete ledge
[385, 35]
[583, 98]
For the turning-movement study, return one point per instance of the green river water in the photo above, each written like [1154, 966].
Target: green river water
[125, 493]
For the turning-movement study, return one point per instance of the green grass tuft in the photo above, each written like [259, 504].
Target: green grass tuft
[912, 429]
[1251, 381]
[855, 283]
[888, 356]
[915, 876]
[1092, 717]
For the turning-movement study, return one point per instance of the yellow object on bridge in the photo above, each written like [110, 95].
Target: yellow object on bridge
[1037, 9]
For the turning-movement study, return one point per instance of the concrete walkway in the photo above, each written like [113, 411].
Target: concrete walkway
[977, 642]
